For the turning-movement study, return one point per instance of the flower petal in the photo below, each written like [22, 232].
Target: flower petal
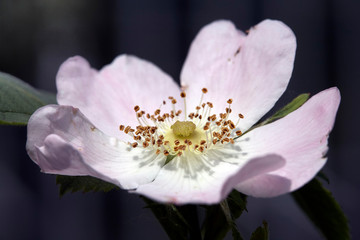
[205, 179]
[259, 166]
[108, 97]
[62, 141]
[253, 70]
[300, 138]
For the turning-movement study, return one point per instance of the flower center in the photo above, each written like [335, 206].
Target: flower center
[167, 135]
[182, 134]
[183, 128]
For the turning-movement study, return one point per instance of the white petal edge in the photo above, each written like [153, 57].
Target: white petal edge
[61, 140]
[207, 178]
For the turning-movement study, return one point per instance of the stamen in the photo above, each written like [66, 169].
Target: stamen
[183, 95]
[204, 91]
[197, 135]
[134, 145]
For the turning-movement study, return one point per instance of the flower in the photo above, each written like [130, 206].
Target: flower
[192, 148]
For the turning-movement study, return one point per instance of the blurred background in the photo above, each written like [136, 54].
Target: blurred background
[37, 36]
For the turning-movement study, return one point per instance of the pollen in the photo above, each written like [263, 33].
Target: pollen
[178, 132]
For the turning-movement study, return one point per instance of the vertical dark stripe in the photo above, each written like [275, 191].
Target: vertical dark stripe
[330, 43]
[111, 206]
[106, 30]
[183, 31]
[258, 11]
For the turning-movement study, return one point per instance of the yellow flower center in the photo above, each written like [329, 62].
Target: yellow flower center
[183, 128]
[166, 134]
[184, 133]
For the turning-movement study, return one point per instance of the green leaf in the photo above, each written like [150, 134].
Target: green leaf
[18, 100]
[83, 184]
[225, 215]
[323, 210]
[170, 218]
[288, 108]
[261, 233]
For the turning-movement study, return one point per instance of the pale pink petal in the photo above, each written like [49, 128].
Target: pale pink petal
[252, 69]
[205, 179]
[62, 141]
[108, 97]
[300, 138]
[259, 166]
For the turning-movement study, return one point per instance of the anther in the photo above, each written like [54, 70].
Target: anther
[241, 116]
[127, 129]
[238, 133]
[183, 94]
[229, 101]
[136, 108]
[134, 145]
[204, 90]
[121, 127]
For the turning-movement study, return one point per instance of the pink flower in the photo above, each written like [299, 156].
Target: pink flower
[229, 81]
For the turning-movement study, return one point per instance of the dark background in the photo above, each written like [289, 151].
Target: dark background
[36, 36]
